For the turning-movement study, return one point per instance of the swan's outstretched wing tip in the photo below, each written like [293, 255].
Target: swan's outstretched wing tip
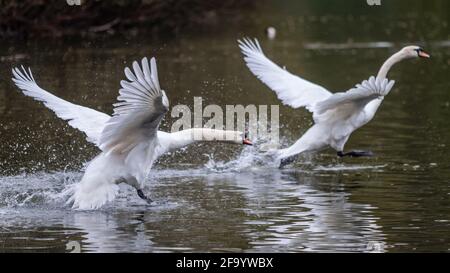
[141, 106]
[290, 89]
[249, 45]
[31, 74]
[129, 74]
[154, 69]
[22, 76]
[82, 118]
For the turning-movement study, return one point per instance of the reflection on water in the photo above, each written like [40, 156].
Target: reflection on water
[219, 197]
[257, 211]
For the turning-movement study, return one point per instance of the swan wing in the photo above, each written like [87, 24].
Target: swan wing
[85, 119]
[140, 108]
[290, 89]
[355, 99]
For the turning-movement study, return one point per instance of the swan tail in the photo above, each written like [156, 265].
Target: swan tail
[90, 196]
[287, 153]
[312, 140]
[96, 188]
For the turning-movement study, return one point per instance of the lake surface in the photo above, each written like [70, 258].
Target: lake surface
[215, 197]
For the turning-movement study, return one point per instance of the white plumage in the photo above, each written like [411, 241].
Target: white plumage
[129, 140]
[335, 116]
[85, 119]
[286, 86]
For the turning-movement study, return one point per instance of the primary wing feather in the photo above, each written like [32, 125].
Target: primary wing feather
[137, 114]
[85, 119]
[352, 101]
[290, 89]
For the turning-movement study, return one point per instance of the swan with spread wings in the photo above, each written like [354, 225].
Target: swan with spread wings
[129, 140]
[336, 116]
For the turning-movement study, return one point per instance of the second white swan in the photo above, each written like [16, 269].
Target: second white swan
[336, 116]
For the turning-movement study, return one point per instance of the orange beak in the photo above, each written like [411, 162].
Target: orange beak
[246, 141]
[423, 54]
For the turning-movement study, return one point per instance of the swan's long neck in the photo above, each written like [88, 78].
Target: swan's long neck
[372, 107]
[397, 57]
[177, 140]
[206, 134]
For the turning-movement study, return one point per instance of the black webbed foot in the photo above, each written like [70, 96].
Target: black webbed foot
[355, 154]
[287, 161]
[141, 194]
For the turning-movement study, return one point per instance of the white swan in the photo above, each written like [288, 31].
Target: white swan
[337, 115]
[129, 139]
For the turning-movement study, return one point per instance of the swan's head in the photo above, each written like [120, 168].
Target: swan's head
[414, 52]
[246, 140]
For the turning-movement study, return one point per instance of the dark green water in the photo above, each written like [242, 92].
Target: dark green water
[397, 201]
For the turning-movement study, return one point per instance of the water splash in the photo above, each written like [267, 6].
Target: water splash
[38, 189]
[250, 159]
[53, 190]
